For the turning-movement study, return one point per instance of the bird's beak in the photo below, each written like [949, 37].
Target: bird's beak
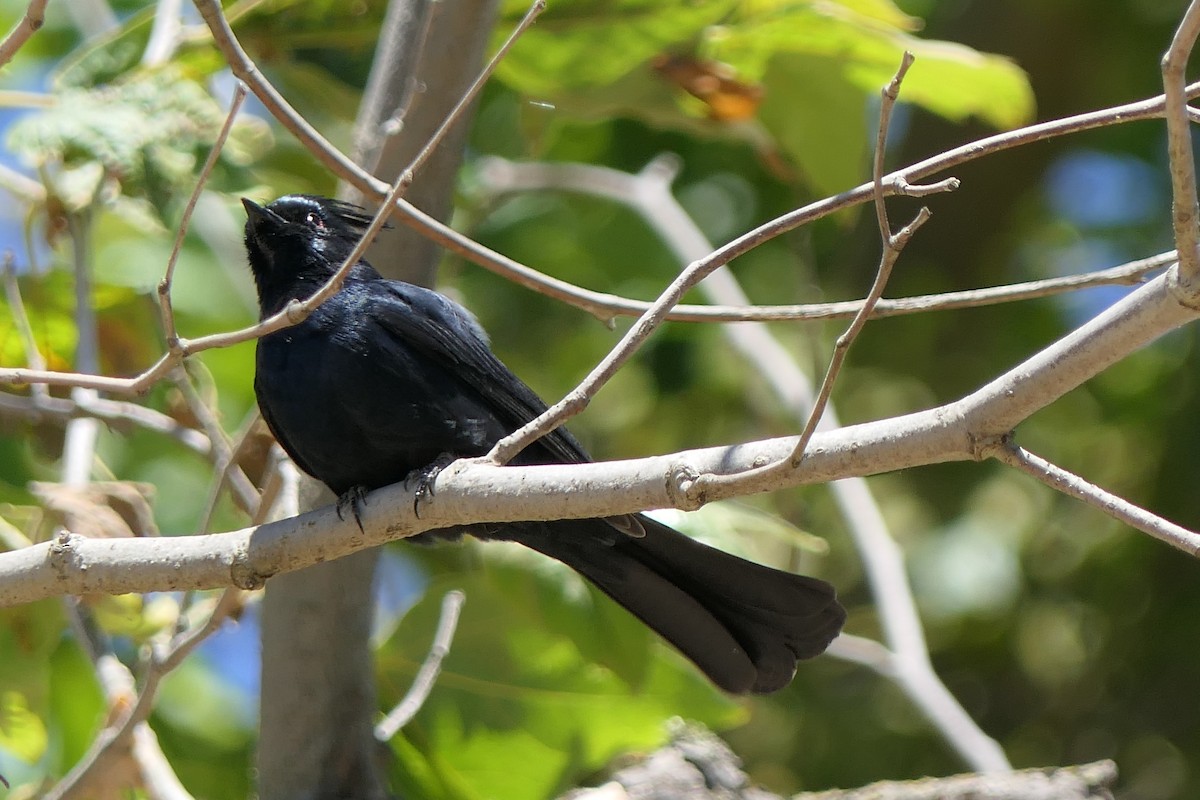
[258, 217]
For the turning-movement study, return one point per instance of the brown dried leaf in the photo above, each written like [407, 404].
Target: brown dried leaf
[101, 510]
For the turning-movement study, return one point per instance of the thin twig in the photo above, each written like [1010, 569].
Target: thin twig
[222, 453]
[535, 10]
[226, 470]
[297, 312]
[895, 244]
[599, 304]
[35, 17]
[427, 675]
[578, 398]
[1116, 507]
[892, 245]
[37, 407]
[1185, 212]
[501, 176]
[166, 312]
[104, 383]
[158, 665]
[12, 291]
[272, 484]
[281, 495]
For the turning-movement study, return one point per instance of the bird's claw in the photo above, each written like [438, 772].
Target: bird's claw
[353, 499]
[424, 477]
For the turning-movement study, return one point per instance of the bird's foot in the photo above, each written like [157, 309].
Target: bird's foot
[353, 500]
[423, 479]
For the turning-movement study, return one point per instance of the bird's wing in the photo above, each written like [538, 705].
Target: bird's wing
[426, 322]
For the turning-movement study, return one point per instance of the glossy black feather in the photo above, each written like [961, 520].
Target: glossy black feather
[386, 377]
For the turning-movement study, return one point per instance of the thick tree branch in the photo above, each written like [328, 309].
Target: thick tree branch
[648, 193]
[318, 704]
[473, 491]
[696, 765]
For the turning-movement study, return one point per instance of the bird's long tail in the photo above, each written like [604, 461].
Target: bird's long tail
[744, 625]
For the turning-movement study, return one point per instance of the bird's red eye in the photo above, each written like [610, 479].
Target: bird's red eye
[314, 219]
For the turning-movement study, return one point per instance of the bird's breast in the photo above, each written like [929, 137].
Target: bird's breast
[352, 414]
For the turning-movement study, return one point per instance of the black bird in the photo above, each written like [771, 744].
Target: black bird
[385, 378]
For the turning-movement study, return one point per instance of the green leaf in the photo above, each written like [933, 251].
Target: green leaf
[739, 528]
[954, 81]
[76, 703]
[590, 43]
[819, 64]
[109, 56]
[21, 731]
[949, 79]
[807, 98]
[546, 680]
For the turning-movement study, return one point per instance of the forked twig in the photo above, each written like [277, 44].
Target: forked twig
[501, 176]
[892, 244]
[427, 675]
[605, 306]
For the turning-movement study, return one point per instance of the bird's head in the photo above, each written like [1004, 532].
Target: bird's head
[297, 242]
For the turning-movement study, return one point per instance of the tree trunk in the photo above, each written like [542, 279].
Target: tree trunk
[318, 695]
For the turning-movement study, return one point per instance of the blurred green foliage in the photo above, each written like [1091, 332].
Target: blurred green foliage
[816, 67]
[1065, 636]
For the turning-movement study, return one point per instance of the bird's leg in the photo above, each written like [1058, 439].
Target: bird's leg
[423, 479]
[353, 499]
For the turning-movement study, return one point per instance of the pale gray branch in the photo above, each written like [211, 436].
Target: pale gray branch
[29, 23]
[1185, 216]
[118, 412]
[472, 491]
[1115, 506]
[427, 676]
